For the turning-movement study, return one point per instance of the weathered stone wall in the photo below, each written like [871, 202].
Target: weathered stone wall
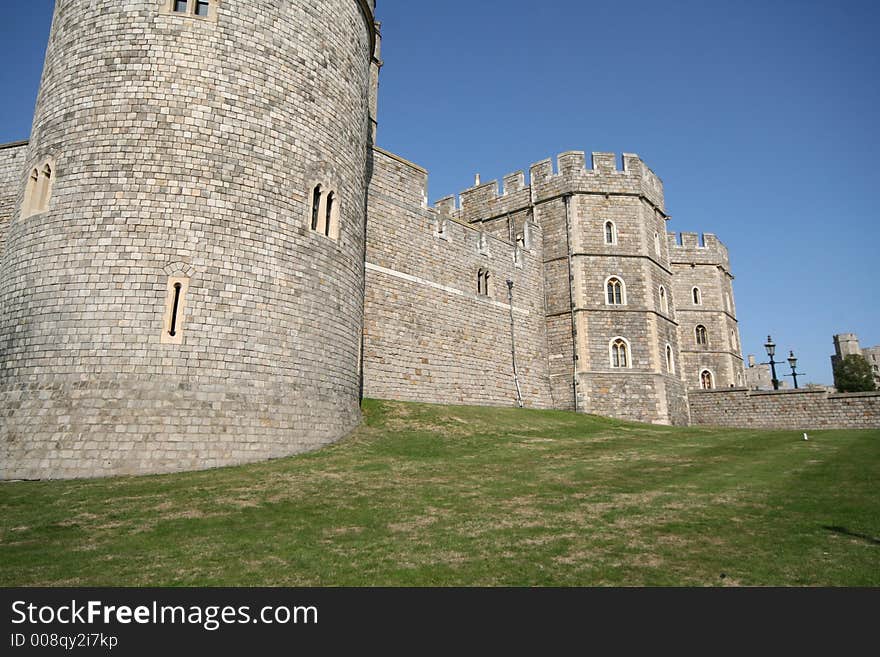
[707, 267]
[188, 145]
[12, 173]
[429, 335]
[790, 409]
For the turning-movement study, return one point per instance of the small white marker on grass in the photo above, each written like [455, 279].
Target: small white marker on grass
[806, 437]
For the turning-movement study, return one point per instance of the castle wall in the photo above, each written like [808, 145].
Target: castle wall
[188, 148]
[12, 172]
[797, 410]
[429, 336]
[707, 267]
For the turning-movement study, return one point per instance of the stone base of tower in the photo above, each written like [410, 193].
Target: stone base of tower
[96, 428]
[643, 397]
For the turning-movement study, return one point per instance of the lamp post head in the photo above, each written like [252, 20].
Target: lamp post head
[792, 361]
[770, 347]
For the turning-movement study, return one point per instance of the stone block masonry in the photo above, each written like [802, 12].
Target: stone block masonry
[791, 409]
[206, 259]
[12, 173]
[431, 334]
[188, 148]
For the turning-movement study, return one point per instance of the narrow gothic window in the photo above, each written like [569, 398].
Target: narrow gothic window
[670, 365]
[657, 243]
[614, 289]
[698, 297]
[43, 189]
[38, 191]
[316, 206]
[175, 305]
[610, 233]
[619, 353]
[175, 309]
[664, 302]
[706, 382]
[483, 282]
[30, 194]
[702, 335]
[181, 6]
[202, 7]
[328, 221]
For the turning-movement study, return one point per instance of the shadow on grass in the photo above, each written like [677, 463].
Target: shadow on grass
[846, 532]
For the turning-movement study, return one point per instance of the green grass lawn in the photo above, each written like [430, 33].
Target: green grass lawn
[438, 495]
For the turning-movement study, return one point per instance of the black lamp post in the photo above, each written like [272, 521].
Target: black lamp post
[771, 351]
[792, 362]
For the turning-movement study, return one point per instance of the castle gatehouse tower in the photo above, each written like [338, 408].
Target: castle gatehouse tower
[182, 281]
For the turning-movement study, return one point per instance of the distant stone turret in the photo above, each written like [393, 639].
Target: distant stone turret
[711, 350]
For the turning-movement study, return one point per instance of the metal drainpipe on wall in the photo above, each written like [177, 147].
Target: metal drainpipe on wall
[574, 333]
[519, 398]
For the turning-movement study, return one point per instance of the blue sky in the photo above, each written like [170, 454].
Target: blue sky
[760, 117]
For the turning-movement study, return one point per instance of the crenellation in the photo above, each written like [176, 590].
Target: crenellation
[605, 163]
[571, 163]
[514, 182]
[541, 171]
[446, 205]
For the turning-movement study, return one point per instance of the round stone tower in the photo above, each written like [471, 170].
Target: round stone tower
[182, 285]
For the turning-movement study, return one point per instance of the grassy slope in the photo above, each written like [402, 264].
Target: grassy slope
[433, 495]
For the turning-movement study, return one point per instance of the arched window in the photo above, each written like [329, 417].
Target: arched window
[38, 191]
[620, 357]
[43, 188]
[707, 381]
[664, 301]
[483, 282]
[610, 233]
[701, 335]
[30, 194]
[175, 304]
[698, 297]
[670, 363]
[324, 211]
[615, 292]
[316, 207]
[328, 220]
[657, 243]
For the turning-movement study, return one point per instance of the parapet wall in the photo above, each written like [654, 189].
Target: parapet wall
[792, 409]
[606, 176]
[430, 335]
[693, 248]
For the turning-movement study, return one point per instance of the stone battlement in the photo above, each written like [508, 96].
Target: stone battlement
[697, 248]
[607, 175]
